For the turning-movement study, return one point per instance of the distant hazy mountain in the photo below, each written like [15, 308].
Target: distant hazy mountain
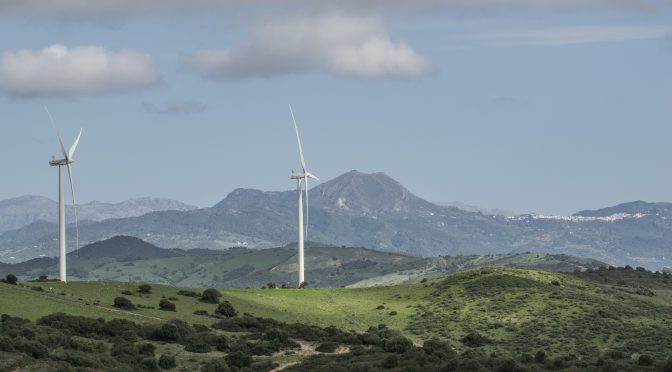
[477, 209]
[375, 211]
[24, 210]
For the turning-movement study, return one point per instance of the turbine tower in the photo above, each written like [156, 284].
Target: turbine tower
[60, 163]
[301, 178]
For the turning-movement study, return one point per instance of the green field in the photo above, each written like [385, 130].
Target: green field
[580, 316]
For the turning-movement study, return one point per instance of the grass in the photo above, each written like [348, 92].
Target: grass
[517, 310]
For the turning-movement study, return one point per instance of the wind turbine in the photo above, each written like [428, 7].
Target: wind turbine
[300, 179]
[66, 161]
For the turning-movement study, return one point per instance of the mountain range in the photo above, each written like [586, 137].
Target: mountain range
[19, 212]
[375, 211]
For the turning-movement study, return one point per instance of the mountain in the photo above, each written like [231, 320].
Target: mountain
[375, 211]
[24, 210]
[126, 248]
[477, 209]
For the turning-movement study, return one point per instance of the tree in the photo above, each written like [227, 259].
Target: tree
[272, 285]
[166, 305]
[398, 345]
[303, 285]
[211, 296]
[11, 279]
[145, 288]
[226, 309]
[124, 303]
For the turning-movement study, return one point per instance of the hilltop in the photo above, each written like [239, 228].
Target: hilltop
[126, 258]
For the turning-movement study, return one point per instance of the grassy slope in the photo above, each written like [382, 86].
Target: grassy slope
[520, 310]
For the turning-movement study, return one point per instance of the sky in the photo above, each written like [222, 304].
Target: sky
[547, 106]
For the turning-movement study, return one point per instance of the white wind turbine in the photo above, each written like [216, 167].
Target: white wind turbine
[66, 161]
[301, 178]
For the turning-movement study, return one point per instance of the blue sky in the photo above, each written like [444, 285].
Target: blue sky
[533, 106]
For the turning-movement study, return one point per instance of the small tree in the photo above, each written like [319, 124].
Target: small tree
[272, 285]
[11, 279]
[124, 303]
[226, 309]
[166, 305]
[211, 296]
[145, 288]
[303, 285]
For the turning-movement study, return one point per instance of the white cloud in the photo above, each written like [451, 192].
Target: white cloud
[174, 107]
[87, 70]
[356, 47]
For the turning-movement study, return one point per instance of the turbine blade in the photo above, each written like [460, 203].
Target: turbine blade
[58, 134]
[74, 207]
[310, 175]
[305, 229]
[74, 145]
[298, 139]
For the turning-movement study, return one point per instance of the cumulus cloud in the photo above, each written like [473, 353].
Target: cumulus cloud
[357, 47]
[88, 70]
[174, 107]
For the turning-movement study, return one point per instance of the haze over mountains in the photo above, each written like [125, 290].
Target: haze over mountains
[375, 211]
[24, 210]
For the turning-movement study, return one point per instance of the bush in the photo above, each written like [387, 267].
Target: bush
[197, 345]
[540, 356]
[182, 292]
[215, 365]
[201, 312]
[145, 288]
[398, 344]
[211, 296]
[239, 359]
[327, 347]
[167, 361]
[645, 360]
[124, 303]
[11, 279]
[390, 361]
[474, 339]
[127, 292]
[226, 309]
[166, 305]
[271, 285]
[221, 343]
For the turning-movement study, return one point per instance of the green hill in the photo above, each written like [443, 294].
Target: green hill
[575, 319]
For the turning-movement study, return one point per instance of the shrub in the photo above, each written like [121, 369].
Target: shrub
[303, 285]
[221, 343]
[127, 292]
[540, 356]
[645, 360]
[226, 309]
[197, 345]
[380, 307]
[145, 288]
[392, 313]
[474, 339]
[215, 365]
[271, 285]
[526, 358]
[166, 305]
[182, 292]
[390, 361]
[201, 312]
[124, 303]
[211, 296]
[148, 364]
[11, 279]
[239, 359]
[398, 344]
[167, 361]
[327, 347]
